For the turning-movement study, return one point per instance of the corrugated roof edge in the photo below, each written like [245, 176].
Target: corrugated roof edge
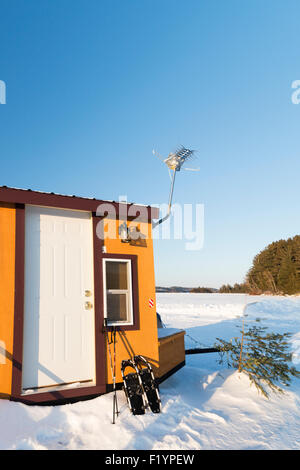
[8, 190]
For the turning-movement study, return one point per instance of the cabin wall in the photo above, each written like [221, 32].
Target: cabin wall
[7, 280]
[143, 341]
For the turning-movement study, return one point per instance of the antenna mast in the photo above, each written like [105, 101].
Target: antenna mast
[174, 162]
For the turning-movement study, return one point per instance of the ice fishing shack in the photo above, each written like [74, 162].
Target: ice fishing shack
[68, 263]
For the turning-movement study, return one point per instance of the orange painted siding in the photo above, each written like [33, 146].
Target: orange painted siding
[7, 277]
[143, 341]
[171, 353]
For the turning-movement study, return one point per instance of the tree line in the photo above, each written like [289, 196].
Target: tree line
[275, 270]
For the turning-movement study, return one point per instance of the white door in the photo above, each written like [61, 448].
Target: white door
[59, 330]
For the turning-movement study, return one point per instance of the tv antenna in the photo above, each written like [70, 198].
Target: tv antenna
[174, 162]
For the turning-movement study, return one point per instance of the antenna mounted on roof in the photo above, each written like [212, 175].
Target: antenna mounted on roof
[174, 162]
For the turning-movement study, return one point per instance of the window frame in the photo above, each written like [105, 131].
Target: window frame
[133, 321]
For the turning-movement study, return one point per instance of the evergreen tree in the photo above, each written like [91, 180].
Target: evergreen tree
[235, 289]
[263, 356]
[276, 268]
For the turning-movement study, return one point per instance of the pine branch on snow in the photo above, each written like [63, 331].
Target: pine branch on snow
[263, 356]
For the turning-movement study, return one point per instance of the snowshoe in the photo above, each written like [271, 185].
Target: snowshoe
[133, 387]
[149, 383]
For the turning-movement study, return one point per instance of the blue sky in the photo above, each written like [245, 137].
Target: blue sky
[93, 86]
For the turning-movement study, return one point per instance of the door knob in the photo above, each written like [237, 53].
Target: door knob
[87, 293]
[88, 305]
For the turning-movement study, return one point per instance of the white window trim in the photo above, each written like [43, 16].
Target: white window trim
[128, 291]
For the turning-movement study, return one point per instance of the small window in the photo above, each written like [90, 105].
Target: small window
[117, 291]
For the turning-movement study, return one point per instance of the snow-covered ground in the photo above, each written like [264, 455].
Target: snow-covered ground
[204, 405]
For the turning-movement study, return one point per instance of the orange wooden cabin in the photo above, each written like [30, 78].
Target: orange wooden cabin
[64, 268]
